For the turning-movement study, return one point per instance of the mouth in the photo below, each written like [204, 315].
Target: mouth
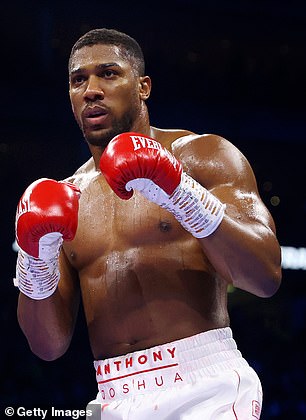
[95, 115]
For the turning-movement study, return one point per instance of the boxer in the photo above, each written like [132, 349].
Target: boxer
[149, 233]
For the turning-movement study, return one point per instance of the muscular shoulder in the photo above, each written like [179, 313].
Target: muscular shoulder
[204, 145]
[214, 159]
[167, 136]
[189, 143]
[84, 175]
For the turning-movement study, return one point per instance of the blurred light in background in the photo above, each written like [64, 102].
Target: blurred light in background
[293, 258]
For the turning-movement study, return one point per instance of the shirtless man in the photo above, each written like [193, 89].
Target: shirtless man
[150, 235]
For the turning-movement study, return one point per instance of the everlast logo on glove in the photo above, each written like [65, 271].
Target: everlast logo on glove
[148, 143]
[145, 142]
[24, 204]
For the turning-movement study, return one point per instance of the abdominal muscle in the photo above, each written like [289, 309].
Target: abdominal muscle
[144, 280]
[146, 298]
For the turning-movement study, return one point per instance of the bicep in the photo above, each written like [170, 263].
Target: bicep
[245, 206]
[221, 168]
[236, 186]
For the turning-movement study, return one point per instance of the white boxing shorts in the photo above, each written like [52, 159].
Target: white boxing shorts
[203, 377]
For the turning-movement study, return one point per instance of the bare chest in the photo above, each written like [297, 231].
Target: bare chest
[107, 223]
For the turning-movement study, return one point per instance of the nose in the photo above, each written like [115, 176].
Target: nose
[93, 90]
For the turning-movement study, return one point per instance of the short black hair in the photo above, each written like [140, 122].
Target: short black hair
[129, 47]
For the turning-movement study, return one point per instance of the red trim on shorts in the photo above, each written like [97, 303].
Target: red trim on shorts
[103, 406]
[138, 373]
[233, 406]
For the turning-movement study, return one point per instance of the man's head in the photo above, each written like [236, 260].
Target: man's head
[128, 46]
[108, 87]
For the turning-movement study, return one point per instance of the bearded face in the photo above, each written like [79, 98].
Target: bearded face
[104, 93]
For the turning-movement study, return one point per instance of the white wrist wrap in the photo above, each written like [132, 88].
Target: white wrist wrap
[198, 211]
[37, 278]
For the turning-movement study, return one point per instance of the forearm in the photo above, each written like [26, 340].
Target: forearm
[246, 255]
[236, 232]
[47, 215]
[48, 324]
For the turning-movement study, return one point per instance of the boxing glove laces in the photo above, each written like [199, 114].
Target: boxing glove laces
[133, 161]
[46, 215]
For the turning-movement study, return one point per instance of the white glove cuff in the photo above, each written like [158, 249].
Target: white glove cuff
[38, 278]
[198, 210]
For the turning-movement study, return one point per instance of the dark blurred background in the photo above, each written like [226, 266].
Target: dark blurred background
[234, 68]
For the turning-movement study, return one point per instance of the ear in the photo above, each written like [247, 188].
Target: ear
[144, 87]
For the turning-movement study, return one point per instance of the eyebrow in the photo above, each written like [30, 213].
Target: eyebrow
[99, 67]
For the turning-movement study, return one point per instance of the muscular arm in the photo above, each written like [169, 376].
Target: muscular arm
[243, 250]
[49, 323]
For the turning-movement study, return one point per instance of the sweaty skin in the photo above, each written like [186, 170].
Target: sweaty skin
[143, 279]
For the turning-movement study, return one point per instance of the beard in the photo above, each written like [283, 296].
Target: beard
[101, 137]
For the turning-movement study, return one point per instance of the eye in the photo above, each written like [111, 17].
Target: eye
[77, 80]
[109, 73]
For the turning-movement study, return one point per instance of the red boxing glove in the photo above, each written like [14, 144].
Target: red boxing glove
[46, 206]
[46, 215]
[131, 156]
[133, 161]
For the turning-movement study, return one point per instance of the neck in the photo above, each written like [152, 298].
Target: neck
[142, 125]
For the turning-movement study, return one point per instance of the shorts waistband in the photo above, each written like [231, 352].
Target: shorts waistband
[168, 365]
